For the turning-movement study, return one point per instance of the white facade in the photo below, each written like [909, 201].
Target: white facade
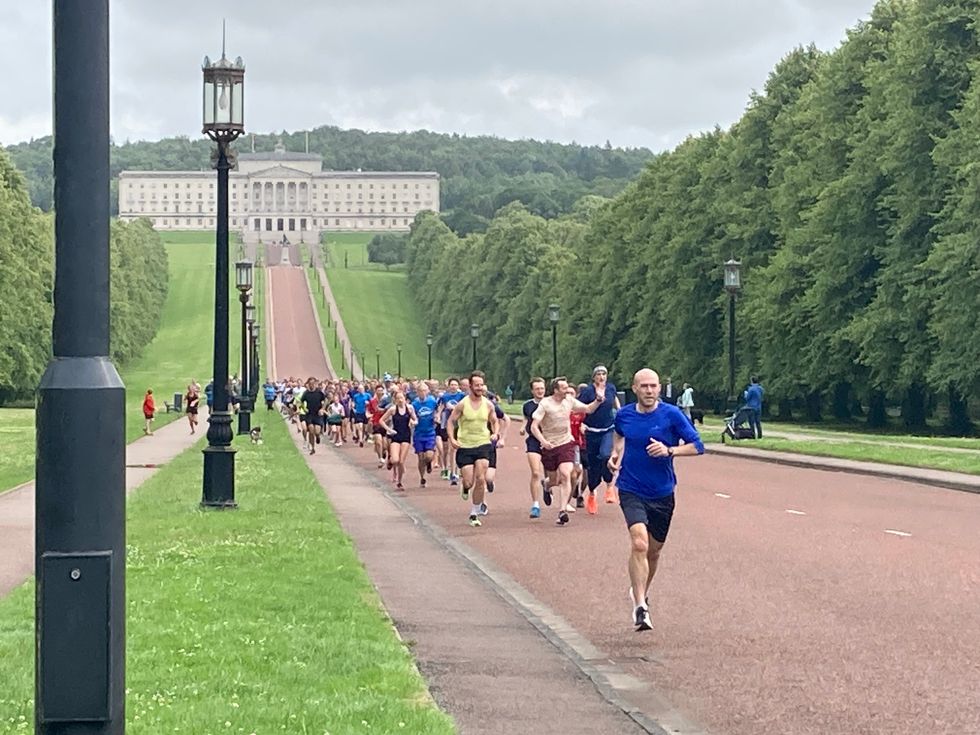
[271, 195]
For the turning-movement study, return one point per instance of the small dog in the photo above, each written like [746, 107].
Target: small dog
[256, 435]
[697, 416]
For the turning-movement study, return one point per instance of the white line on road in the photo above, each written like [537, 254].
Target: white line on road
[893, 532]
[722, 495]
[795, 512]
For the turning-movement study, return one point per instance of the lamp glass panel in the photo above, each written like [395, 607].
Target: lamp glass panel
[238, 104]
[208, 102]
[222, 105]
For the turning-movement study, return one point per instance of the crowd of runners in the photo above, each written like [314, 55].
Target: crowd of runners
[580, 442]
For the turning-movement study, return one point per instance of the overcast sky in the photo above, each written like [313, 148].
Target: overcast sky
[635, 72]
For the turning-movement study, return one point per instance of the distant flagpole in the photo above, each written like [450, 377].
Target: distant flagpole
[307, 141]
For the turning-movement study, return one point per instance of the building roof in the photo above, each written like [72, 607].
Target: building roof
[280, 155]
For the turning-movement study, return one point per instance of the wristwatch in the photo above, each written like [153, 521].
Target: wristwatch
[670, 451]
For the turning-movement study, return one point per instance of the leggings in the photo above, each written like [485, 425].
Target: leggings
[598, 448]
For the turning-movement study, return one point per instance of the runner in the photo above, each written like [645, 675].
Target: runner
[578, 486]
[646, 439]
[551, 426]
[424, 437]
[598, 428]
[447, 404]
[335, 417]
[398, 421]
[376, 408]
[313, 400]
[472, 430]
[359, 401]
[533, 449]
[503, 421]
[192, 400]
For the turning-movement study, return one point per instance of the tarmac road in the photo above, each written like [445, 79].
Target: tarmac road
[789, 600]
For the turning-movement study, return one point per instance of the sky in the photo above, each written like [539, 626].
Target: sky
[633, 72]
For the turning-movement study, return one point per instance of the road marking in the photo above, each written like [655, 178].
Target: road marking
[722, 495]
[795, 512]
[893, 532]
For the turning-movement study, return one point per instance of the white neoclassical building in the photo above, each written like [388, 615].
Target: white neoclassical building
[278, 194]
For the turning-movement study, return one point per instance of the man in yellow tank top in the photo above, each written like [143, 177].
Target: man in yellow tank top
[472, 429]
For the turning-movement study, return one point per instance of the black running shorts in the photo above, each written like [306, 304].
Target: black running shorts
[466, 456]
[655, 513]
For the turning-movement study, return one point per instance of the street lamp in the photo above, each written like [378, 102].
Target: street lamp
[474, 333]
[428, 344]
[224, 103]
[243, 281]
[733, 284]
[398, 347]
[553, 312]
[249, 350]
[377, 363]
[255, 362]
[363, 376]
[80, 489]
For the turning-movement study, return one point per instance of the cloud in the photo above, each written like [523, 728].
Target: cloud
[636, 72]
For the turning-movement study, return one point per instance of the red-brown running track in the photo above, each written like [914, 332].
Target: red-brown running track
[788, 600]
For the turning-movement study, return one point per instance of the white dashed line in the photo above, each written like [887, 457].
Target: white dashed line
[722, 495]
[795, 512]
[893, 532]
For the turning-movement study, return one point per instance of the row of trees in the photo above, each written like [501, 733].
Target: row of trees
[479, 174]
[388, 248]
[848, 189]
[138, 287]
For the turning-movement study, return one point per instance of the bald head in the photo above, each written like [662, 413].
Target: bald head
[646, 386]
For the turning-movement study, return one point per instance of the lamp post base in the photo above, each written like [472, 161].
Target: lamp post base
[219, 464]
[245, 417]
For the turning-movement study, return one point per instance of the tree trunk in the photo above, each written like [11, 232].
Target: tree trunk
[959, 413]
[813, 406]
[914, 407]
[842, 403]
[877, 418]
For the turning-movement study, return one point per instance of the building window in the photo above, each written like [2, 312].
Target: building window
[279, 223]
[336, 223]
[302, 223]
[292, 224]
[258, 224]
[268, 224]
[200, 221]
[164, 186]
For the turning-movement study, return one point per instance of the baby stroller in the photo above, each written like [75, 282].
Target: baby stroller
[737, 425]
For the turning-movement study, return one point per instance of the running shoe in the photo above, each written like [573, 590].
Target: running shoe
[579, 501]
[337, 444]
[570, 508]
[422, 482]
[444, 475]
[535, 512]
[547, 495]
[399, 486]
[562, 519]
[610, 496]
[475, 522]
[489, 487]
[641, 619]
[484, 510]
[591, 504]
[454, 479]
[381, 462]
[464, 492]
[360, 444]
[317, 438]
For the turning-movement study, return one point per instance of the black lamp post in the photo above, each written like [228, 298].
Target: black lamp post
[254, 372]
[249, 352]
[553, 313]
[243, 281]
[363, 375]
[377, 363]
[398, 347]
[428, 344]
[224, 103]
[352, 363]
[733, 284]
[474, 334]
[80, 496]
[343, 352]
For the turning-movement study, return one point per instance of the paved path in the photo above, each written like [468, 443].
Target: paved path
[851, 438]
[143, 457]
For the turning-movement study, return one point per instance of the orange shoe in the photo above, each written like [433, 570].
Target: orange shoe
[610, 495]
[591, 504]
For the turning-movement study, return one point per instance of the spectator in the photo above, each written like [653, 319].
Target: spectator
[668, 393]
[753, 402]
[209, 394]
[687, 401]
[269, 393]
[149, 411]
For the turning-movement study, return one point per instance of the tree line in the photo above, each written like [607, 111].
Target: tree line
[138, 283]
[479, 175]
[848, 189]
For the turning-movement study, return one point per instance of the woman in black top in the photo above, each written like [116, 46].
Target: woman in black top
[191, 400]
[398, 421]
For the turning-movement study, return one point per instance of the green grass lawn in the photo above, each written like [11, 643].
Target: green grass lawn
[867, 452]
[180, 351]
[337, 359]
[378, 310]
[260, 620]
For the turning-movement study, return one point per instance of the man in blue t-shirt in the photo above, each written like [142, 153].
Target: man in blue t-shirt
[424, 436]
[598, 429]
[447, 403]
[753, 402]
[359, 399]
[647, 438]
